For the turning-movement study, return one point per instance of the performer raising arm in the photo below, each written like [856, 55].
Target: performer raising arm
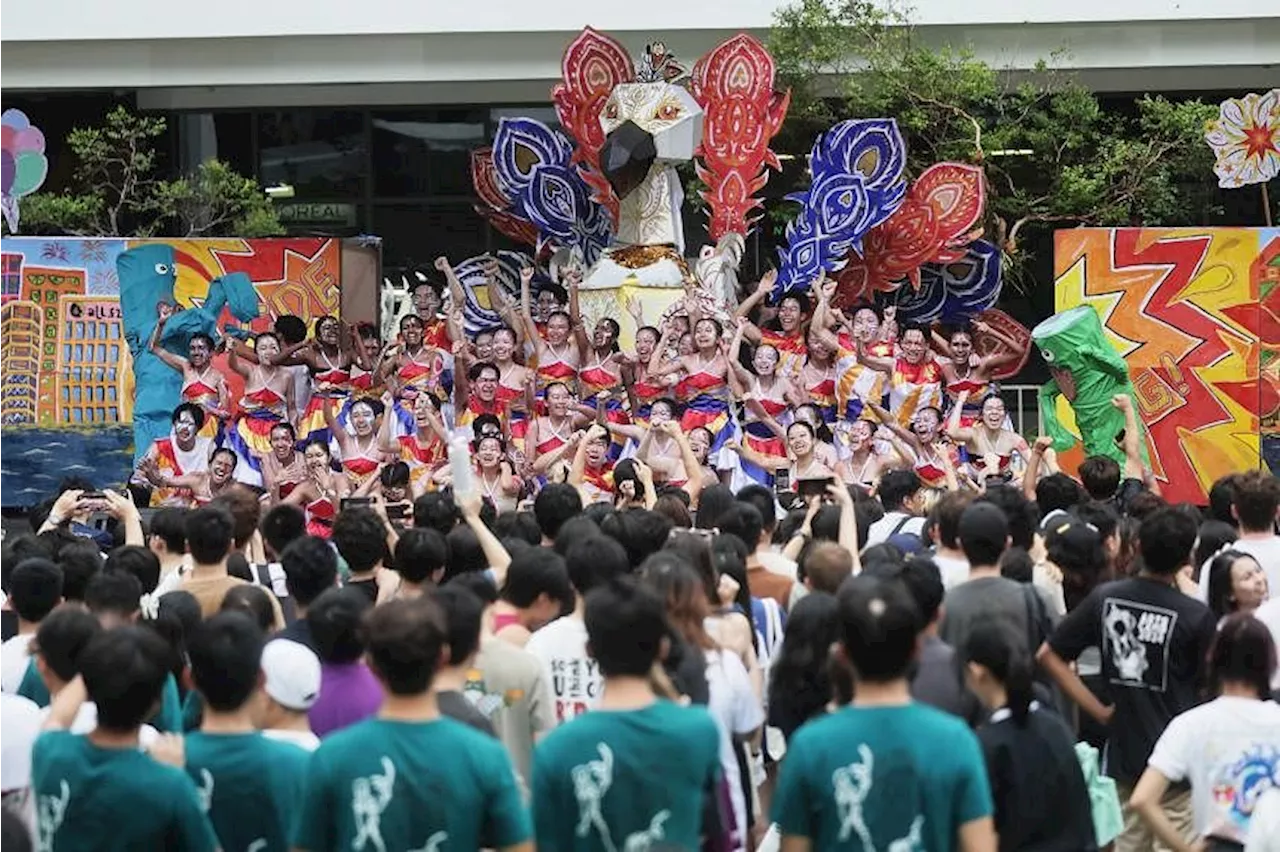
[202, 383]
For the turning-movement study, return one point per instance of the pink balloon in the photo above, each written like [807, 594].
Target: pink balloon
[29, 140]
[7, 135]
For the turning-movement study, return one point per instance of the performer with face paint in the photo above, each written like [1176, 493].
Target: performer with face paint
[202, 485]
[991, 446]
[184, 451]
[329, 359]
[968, 372]
[789, 340]
[359, 445]
[283, 468]
[924, 446]
[321, 493]
[267, 400]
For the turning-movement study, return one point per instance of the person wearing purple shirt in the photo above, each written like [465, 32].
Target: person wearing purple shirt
[348, 690]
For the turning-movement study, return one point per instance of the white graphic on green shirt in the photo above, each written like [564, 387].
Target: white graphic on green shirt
[642, 841]
[591, 782]
[205, 791]
[369, 798]
[850, 786]
[51, 811]
[434, 843]
[257, 845]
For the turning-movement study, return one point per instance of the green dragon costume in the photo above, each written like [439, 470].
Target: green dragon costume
[1088, 372]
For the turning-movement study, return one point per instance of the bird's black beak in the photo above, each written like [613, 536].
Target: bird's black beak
[626, 156]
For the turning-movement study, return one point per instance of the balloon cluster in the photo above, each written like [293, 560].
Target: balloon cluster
[22, 162]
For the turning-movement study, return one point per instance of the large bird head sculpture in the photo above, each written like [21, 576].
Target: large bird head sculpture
[650, 124]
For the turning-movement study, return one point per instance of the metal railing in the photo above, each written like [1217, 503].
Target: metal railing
[1023, 404]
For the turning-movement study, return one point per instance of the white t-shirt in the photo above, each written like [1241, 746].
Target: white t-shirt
[20, 721]
[1269, 614]
[734, 706]
[575, 679]
[954, 570]
[777, 563]
[15, 654]
[1229, 749]
[1265, 550]
[888, 525]
[1264, 828]
[87, 719]
[303, 739]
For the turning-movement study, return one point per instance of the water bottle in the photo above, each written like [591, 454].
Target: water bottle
[460, 465]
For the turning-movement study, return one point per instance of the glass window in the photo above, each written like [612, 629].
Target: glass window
[234, 134]
[320, 153]
[425, 152]
[541, 112]
[417, 233]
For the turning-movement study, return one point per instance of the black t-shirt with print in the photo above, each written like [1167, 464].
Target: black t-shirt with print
[1154, 640]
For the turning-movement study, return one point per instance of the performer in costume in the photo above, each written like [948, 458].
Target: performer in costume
[592, 470]
[558, 357]
[360, 447]
[855, 383]
[329, 360]
[818, 378]
[548, 439]
[600, 380]
[641, 389]
[321, 493]
[766, 400]
[707, 382]
[283, 468]
[966, 372]
[802, 461]
[495, 476]
[185, 451]
[475, 392]
[923, 446]
[266, 401]
[367, 364]
[425, 449]
[514, 383]
[416, 368]
[915, 379]
[202, 383]
[991, 446]
[862, 464]
[203, 485]
[1089, 373]
[790, 337]
[826, 449]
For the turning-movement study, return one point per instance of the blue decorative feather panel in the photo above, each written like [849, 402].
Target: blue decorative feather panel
[953, 292]
[533, 165]
[857, 170]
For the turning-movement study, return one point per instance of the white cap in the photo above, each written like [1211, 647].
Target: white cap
[292, 672]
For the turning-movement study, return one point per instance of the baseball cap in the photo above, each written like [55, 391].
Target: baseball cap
[292, 673]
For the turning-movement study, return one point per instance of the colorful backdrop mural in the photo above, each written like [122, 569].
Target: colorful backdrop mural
[66, 378]
[1194, 312]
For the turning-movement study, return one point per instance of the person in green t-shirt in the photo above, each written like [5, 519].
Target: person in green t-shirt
[250, 785]
[97, 791]
[885, 772]
[634, 773]
[410, 778]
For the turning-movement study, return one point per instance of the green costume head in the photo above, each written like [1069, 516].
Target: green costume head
[1088, 372]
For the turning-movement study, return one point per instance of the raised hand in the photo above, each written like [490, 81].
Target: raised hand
[442, 264]
[1122, 401]
[526, 274]
[1042, 443]
[767, 281]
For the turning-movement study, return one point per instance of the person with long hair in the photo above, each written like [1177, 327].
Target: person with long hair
[991, 444]
[801, 460]
[321, 493]
[799, 681]
[328, 358]
[359, 449]
[1237, 583]
[1037, 785]
[732, 702]
[767, 400]
[968, 373]
[425, 449]
[707, 381]
[1226, 749]
[414, 368]
[268, 397]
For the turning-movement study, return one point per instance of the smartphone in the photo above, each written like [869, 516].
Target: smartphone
[807, 488]
[782, 480]
[93, 495]
[399, 510]
[355, 502]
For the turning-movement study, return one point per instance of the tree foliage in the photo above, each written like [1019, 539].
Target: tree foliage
[1087, 165]
[114, 191]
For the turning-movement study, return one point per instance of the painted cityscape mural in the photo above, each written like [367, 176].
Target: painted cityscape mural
[66, 378]
[1194, 311]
